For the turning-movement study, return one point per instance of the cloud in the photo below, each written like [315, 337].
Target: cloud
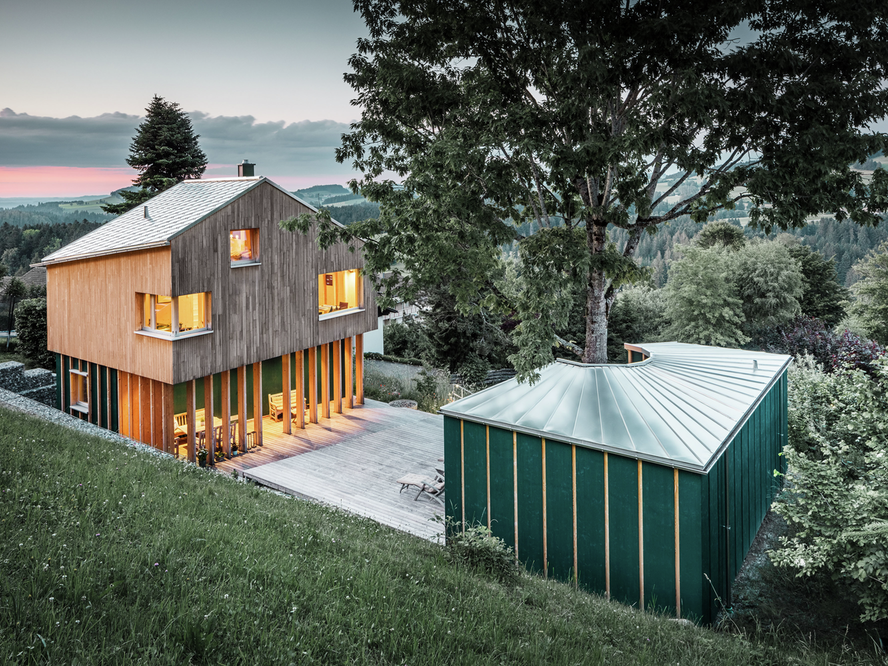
[300, 149]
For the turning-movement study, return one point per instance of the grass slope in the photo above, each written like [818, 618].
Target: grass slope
[112, 555]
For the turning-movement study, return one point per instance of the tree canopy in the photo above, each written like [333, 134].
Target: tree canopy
[871, 306]
[541, 123]
[164, 152]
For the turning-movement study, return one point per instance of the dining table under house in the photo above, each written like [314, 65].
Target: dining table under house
[645, 482]
[191, 321]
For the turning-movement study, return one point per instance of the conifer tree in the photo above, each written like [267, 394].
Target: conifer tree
[164, 151]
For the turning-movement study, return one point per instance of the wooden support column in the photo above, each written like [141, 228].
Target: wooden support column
[300, 389]
[286, 387]
[123, 410]
[359, 368]
[209, 422]
[226, 412]
[169, 420]
[347, 363]
[135, 411]
[242, 408]
[313, 385]
[191, 418]
[157, 440]
[325, 380]
[145, 409]
[257, 401]
[337, 377]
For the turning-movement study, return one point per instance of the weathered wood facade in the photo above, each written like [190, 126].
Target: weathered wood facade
[258, 311]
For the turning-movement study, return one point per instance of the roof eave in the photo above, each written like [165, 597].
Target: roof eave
[104, 253]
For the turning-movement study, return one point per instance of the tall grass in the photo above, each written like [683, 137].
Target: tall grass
[112, 555]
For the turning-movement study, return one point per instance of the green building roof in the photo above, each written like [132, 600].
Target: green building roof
[681, 407]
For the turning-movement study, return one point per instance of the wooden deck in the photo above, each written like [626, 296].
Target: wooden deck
[352, 461]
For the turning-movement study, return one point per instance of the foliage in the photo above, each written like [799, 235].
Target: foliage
[822, 295]
[813, 337]
[427, 390]
[407, 340]
[769, 282]
[162, 550]
[376, 356]
[505, 121]
[702, 302]
[347, 215]
[836, 487]
[164, 152]
[30, 326]
[723, 234]
[477, 548]
[637, 315]
[871, 305]
[22, 246]
[14, 291]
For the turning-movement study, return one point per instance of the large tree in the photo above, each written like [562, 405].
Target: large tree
[164, 152]
[544, 122]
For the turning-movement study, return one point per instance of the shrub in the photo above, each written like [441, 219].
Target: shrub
[477, 548]
[836, 488]
[407, 340]
[30, 325]
[376, 356]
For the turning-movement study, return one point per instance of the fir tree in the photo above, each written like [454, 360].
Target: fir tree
[164, 151]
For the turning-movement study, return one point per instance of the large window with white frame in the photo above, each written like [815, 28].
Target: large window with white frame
[79, 390]
[175, 316]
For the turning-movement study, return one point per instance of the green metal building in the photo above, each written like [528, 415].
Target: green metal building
[646, 482]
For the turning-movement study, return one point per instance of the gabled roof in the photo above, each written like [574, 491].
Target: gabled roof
[169, 214]
[681, 407]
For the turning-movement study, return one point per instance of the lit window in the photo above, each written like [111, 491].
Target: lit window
[339, 291]
[79, 384]
[174, 316]
[244, 246]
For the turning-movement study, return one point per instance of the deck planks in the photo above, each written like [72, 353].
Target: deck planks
[353, 461]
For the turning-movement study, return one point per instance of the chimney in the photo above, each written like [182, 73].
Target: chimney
[245, 169]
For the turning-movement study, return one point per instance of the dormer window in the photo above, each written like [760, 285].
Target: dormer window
[174, 317]
[244, 247]
[339, 292]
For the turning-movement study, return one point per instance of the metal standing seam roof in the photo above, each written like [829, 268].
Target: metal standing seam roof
[169, 214]
[680, 408]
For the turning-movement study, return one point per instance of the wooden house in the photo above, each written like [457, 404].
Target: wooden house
[646, 481]
[197, 303]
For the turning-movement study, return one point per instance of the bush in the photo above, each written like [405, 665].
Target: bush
[407, 340]
[30, 325]
[376, 356]
[836, 488]
[477, 548]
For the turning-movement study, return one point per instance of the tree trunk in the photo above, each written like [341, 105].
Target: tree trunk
[596, 299]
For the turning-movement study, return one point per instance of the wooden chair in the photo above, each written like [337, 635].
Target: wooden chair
[343, 305]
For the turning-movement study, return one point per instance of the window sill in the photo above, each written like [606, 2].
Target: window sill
[339, 313]
[244, 264]
[81, 407]
[170, 336]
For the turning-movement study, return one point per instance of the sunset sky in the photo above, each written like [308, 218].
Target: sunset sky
[261, 80]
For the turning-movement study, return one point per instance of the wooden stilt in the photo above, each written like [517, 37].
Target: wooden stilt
[157, 440]
[169, 421]
[191, 418]
[313, 385]
[359, 368]
[337, 377]
[349, 379]
[135, 412]
[123, 409]
[300, 389]
[145, 409]
[257, 402]
[209, 422]
[325, 380]
[226, 412]
[286, 387]
[242, 408]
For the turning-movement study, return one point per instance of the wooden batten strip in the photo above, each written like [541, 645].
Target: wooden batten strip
[325, 380]
[209, 422]
[607, 550]
[515, 483]
[462, 471]
[313, 385]
[135, 408]
[677, 547]
[169, 422]
[337, 377]
[359, 368]
[640, 540]
[545, 523]
[123, 422]
[242, 408]
[190, 416]
[157, 432]
[487, 446]
[257, 402]
[300, 389]
[225, 408]
[286, 387]
[573, 478]
[145, 409]
[349, 379]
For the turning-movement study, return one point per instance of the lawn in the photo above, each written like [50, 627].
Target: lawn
[114, 555]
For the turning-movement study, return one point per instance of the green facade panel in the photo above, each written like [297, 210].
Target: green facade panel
[658, 519]
[502, 486]
[115, 420]
[530, 501]
[103, 391]
[475, 471]
[623, 524]
[559, 510]
[453, 496]
[95, 408]
[692, 553]
[590, 520]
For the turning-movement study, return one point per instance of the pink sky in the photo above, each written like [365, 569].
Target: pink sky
[52, 181]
